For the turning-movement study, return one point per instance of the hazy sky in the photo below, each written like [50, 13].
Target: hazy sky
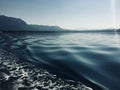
[70, 14]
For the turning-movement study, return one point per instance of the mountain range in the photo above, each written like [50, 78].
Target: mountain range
[17, 24]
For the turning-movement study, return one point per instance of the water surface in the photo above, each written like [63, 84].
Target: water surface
[87, 57]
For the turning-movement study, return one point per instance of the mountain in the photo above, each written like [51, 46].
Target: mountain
[45, 28]
[10, 23]
[16, 24]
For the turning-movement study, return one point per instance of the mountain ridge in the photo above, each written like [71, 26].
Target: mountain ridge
[17, 24]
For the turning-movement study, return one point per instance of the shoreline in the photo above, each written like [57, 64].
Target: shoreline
[16, 74]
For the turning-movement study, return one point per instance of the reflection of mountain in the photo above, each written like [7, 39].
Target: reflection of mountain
[16, 24]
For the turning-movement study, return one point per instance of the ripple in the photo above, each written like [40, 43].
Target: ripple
[90, 58]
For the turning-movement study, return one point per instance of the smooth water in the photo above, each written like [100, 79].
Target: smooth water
[87, 57]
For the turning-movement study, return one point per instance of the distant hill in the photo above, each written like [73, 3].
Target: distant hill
[45, 28]
[10, 23]
[16, 24]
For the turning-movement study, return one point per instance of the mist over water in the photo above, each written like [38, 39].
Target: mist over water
[81, 56]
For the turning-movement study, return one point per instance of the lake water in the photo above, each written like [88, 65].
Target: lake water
[92, 58]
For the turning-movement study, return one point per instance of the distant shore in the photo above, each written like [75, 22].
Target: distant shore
[69, 31]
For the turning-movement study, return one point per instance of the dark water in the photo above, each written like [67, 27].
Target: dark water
[92, 58]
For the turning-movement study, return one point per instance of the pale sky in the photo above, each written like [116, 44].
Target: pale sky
[70, 14]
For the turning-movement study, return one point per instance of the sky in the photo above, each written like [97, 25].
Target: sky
[69, 14]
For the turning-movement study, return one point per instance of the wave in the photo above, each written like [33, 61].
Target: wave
[92, 58]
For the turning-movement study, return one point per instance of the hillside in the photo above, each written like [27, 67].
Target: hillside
[10, 23]
[16, 24]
